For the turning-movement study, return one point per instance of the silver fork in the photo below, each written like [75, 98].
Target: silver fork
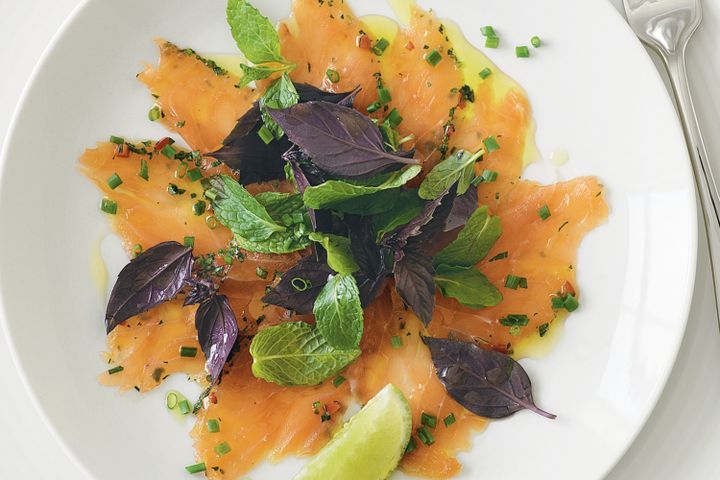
[667, 26]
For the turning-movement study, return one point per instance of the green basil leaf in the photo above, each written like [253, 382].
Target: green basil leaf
[467, 285]
[473, 242]
[407, 206]
[281, 94]
[296, 353]
[254, 34]
[257, 72]
[338, 312]
[337, 193]
[239, 211]
[459, 167]
[339, 256]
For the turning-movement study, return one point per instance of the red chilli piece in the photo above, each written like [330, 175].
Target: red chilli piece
[568, 288]
[333, 407]
[462, 102]
[410, 46]
[162, 143]
[363, 41]
[213, 398]
[122, 150]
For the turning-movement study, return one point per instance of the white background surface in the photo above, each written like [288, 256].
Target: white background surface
[682, 438]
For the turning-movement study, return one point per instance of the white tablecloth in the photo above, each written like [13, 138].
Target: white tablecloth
[681, 438]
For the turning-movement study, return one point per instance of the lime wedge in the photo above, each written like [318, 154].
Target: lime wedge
[370, 445]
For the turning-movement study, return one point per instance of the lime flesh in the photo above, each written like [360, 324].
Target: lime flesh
[370, 445]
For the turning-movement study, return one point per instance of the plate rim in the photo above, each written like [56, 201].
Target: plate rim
[653, 397]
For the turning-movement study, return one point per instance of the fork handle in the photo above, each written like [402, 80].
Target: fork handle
[704, 179]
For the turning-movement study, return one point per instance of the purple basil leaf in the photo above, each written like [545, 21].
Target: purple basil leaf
[153, 277]
[200, 290]
[462, 209]
[309, 93]
[488, 383]
[415, 282]
[398, 238]
[300, 285]
[370, 257]
[217, 332]
[340, 140]
[244, 151]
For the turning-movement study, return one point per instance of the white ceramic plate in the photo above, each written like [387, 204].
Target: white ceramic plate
[595, 93]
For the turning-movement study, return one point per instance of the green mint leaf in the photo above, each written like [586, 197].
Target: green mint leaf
[339, 256]
[467, 285]
[282, 242]
[254, 34]
[334, 193]
[473, 242]
[407, 206]
[459, 167]
[296, 353]
[239, 211]
[338, 312]
[281, 94]
[258, 72]
[286, 209]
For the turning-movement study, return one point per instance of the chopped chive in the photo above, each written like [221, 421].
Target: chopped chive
[410, 446]
[514, 330]
[394, 118]
[522, 51]
[194, 175]
[190, 352]
[485, 73]
[137, 249]
[266, 135]
[171, 400]
[523, 282]
[535, 41]
[213, 426]
[499, 256]
[544, 212]
[212, 222]
[491, 144]
[396, 341]
[325, 417]
[332, 75]
[117, 140]
[316, 406]
[557, 302]
[492, 42]
[197, 468]
[173, 189]
[449, 420]
[374, 107]
[384, 95]
[488, 31]
[425, 436]
[380, 46]
[300, 284]
[155, 113]
[489, 176]
[428, 420]
[433, 58]
[222, 449]
[143, 173]
[339, 380]
[115, 370]
[180, 124]
[114, 181]
[189, 242]
[108, 206]
[543, 329]
[512, 282]
[199, 207]
[515, 319]
[571, 304]
[169, 151]
[184, 407]
[261, 272]
[477, 181]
